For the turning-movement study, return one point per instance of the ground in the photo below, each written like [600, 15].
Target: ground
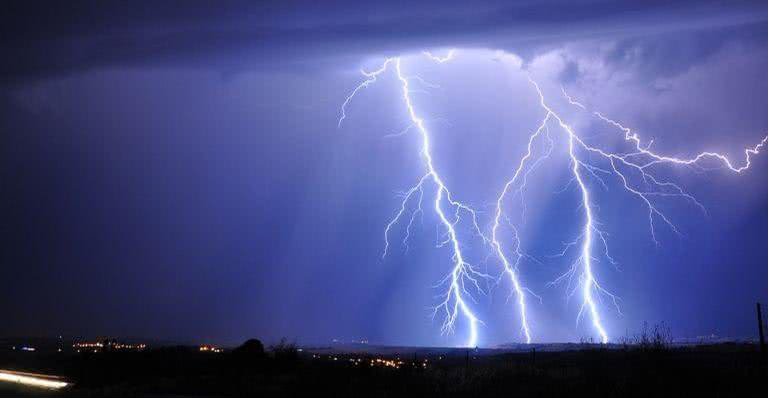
[716, 370]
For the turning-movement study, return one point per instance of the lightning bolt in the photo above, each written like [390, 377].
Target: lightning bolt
[511, 266]
[440, 60]
[640, 160]
[633, 170]
[463, 277]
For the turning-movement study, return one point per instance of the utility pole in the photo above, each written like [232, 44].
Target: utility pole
[762, 334]
[466, 366]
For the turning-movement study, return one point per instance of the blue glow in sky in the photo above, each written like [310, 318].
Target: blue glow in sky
[179, 173]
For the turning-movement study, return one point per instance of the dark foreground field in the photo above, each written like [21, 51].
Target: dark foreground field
[727, 370]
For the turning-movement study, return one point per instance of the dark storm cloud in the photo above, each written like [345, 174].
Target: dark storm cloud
[671, 54]
[41, 39]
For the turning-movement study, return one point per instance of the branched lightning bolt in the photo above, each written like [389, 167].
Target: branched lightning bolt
[438, 59]
[633, 171]
[510, 266]
[370, 79]
[638, 161]
[463, 277]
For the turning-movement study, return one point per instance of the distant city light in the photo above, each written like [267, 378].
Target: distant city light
[209, 348]
[396, 363]
[107, 345]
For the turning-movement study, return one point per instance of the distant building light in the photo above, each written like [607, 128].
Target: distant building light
[108, 345]
[210, 348]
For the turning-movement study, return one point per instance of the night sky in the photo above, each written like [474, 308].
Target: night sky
[175, 171]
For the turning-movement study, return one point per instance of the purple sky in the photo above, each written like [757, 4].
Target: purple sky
[175, 171]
